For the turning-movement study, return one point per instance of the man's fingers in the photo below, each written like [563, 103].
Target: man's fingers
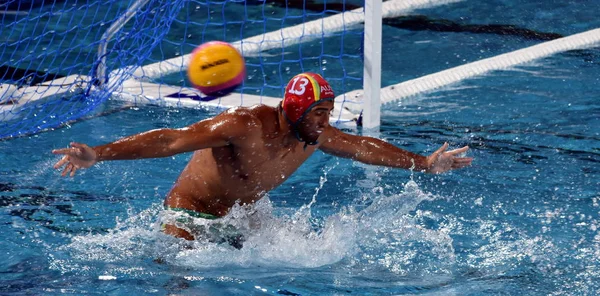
[459, 150]
[441, 149]
[61, 162]
[62, 151]
[463, 160]
[76, 148]
[66, 170]
[461, 164]
[69, 151]
[73, 171]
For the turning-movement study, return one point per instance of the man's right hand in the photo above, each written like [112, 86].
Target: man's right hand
[76, 157]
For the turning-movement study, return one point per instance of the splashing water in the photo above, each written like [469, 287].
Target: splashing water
[385, 234]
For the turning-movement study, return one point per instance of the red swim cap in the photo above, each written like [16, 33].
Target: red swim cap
[303, 92]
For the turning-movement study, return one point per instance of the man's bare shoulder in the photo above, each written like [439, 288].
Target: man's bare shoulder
[245, 120]
[256, 115]
[242, 116]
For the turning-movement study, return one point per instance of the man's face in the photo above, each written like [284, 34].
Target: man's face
[315, 122]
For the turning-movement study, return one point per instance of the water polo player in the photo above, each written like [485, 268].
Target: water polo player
[244, 152]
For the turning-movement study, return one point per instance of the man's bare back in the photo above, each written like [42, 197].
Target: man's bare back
[242, 153]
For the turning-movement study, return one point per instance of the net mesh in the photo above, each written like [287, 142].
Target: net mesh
[49, 51]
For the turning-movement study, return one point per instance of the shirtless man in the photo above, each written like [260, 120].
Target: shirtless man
[243, 153]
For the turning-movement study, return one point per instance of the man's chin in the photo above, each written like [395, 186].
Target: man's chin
[310, 139]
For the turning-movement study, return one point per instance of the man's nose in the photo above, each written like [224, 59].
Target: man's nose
[324, 123]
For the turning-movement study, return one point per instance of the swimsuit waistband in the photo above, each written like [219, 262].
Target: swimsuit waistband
[192, 213]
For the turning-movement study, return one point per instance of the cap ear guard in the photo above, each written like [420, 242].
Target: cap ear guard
[288, 106]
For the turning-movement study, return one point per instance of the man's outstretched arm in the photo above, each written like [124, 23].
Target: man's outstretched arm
[377, 152]
[216, 132]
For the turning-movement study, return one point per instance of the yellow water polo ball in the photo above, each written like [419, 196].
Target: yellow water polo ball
[216, 68]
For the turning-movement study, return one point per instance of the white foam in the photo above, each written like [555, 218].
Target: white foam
[384, 233]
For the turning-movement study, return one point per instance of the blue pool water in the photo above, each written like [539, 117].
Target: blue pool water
[523, 220]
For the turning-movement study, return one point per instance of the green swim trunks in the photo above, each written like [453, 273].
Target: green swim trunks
[193, 213]
[215, 232]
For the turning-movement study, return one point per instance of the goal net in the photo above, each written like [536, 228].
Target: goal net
[61, 59]
[49, 56]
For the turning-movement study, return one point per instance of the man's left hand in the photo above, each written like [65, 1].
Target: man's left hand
[441, 160]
